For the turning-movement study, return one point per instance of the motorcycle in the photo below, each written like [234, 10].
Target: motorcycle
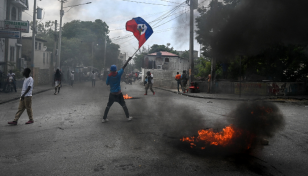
[9, 86]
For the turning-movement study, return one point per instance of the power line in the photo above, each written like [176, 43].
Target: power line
[147, 3]
[170, 20]
[171, 1]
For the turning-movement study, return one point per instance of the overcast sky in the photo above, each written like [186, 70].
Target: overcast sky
[116, 12]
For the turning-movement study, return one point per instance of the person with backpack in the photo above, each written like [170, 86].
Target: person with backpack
[178, 81]
[149, 83]
[113, 80]
[184, 81]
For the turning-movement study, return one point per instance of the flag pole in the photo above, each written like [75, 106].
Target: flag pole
[135, 52]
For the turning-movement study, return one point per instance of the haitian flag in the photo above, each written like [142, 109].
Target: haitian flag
[141, 29]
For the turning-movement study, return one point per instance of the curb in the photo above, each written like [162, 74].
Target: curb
[271, 99]
[13, 99]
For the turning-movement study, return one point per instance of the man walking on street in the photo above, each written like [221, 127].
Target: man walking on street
[114, 79]
[72, 78]
[178, 80]
[25, 99]
[149, 83]
[184, 81]
[93, 75]
[57, 80]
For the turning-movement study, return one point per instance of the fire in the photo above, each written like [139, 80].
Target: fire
[210, 137]
[127, 97]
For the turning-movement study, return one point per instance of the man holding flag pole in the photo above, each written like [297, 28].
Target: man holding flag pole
[142, 31]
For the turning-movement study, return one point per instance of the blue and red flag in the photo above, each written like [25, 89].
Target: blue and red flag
[141, 29]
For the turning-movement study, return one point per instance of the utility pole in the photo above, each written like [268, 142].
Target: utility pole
[33, 35]
[60, 34]
[240, 88]
[105, 68]
[55, 44]
[193, 5]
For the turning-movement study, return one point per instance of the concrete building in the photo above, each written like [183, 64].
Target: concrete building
[10, 49]
[43, 64]
[164, 60]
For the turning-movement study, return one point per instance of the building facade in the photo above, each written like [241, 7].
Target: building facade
[164, 60]
[42, 64]
[10, 49]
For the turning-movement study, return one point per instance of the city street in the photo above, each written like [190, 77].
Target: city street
[68, 138]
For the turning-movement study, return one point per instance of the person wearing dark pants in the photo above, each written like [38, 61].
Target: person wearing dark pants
[114, 79]
[184, 79]
[149, 83]
[25, 99]
[178, 81]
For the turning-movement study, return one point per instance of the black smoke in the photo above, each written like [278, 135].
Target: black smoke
[254, 25]
[253, 123]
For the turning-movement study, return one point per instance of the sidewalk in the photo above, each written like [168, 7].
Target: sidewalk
[11, 96]
[235, 96]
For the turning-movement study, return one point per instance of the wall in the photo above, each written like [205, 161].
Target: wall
[175, 63]
[38, 55]
[41, 76]
[162, 78]
[271, 88]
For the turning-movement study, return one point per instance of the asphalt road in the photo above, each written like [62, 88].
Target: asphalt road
[68, 137]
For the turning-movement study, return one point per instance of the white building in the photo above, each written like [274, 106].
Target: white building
[10, 49]
[164, 60]
[43, 63]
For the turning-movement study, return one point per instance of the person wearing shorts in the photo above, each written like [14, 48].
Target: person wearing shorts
[57, 80]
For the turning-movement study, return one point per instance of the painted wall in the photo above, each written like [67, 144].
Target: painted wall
[162, 78]
[175, 63]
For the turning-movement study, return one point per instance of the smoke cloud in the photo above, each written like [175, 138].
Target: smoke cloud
[255, 25]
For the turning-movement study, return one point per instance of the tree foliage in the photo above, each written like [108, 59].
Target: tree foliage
[79, 38]
[265, 56]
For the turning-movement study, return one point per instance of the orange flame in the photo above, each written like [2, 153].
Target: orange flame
[127, 97]
[222, 138]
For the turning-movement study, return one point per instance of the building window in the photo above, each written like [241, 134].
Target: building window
[44, 58]
[14, 14]
[36, 45]
[166, 59]
[12, 53]
[40, 46]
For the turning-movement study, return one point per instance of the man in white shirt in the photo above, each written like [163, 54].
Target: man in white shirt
[25, 99]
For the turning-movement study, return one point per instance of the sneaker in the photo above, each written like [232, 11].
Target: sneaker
[29, 122]
[130, 119]
[153, 93]
[145, 94]
[55, 93]
[13, 123]
[104, 120]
